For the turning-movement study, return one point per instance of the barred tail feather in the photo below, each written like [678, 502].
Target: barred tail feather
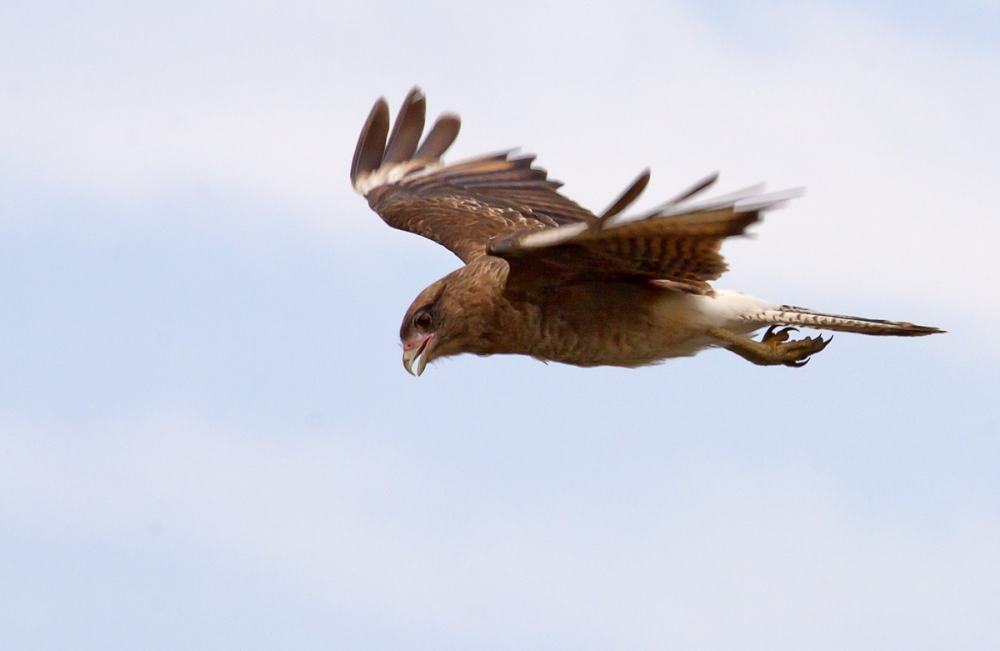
[797, 316]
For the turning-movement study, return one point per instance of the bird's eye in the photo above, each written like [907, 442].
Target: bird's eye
[422, 320]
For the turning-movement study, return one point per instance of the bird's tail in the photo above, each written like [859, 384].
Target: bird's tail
[801, 317]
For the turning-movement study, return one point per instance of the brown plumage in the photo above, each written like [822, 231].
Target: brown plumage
[547, 278]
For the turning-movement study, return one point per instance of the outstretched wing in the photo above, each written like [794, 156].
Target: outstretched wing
[460, 206]
[675, 245]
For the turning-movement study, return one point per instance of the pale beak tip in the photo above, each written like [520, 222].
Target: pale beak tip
[418, 354]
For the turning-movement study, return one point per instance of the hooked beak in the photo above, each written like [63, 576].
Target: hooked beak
[417, 349]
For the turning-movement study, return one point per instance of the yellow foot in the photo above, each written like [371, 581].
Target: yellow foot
[774, 348]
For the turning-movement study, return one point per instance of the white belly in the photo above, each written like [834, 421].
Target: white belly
[684, 318]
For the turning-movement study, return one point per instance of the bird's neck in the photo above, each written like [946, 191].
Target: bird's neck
[494, 324]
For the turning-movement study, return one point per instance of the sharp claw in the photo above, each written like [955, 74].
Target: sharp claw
[775, 336]
[776, 347]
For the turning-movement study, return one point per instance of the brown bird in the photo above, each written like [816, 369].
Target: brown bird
[547, 278]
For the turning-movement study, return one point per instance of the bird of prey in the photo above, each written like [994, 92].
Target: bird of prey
[548, 278]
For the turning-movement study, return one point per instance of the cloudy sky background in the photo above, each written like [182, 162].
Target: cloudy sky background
[207, 439]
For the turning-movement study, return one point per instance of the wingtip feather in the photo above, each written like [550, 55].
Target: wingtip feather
[371, 142]
[695, 189]
[625, 199]
[408, 128]
[440, 138]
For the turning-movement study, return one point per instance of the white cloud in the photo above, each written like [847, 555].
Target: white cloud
[720, 554]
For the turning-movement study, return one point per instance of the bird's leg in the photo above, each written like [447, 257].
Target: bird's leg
[773, 349]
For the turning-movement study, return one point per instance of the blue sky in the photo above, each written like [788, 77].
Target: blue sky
[207, 439]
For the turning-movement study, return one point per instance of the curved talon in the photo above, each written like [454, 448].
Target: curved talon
[774, 337]
[775, 348]
[794, 353]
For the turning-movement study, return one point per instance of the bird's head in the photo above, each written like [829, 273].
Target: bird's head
[423, 328]
[447, 318]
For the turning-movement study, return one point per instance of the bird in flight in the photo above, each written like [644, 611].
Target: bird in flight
[548, 278]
